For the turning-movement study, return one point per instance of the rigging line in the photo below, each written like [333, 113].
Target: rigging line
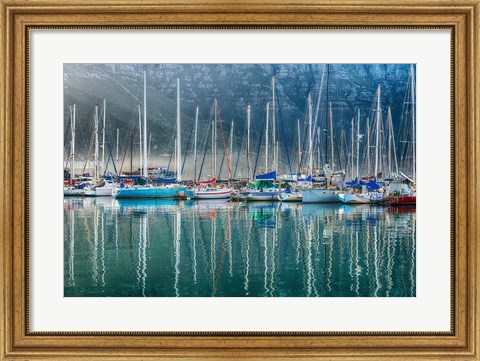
[128, 140]
[131, 126]
[224, 144]
[89, 150]
[188, 146]
[205, 147]
[292, 150]
[284, 135]
[304, 144]
[259, 146]
[337, 149]
[67, 155]
[205, 143]
[173, 150]
[109, 157]
[239, 152]
[83, 145]
[223, 157]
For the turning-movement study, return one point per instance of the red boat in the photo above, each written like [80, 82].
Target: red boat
[402, 200]
[400, 194]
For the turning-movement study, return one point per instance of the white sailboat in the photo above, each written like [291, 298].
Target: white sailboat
[370, 192]
[70, 189]
[264, 188]
[101, 188]
[364, 197]
[209, 189]
[327, 194]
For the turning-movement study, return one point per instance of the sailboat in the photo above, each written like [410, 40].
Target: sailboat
[329, 193]
[362, 193]
[101, 188]
[70, 188]
[366, 192]
[290, 194]
[208, 189]
[264, 188]
[399, 192]
[148, 191]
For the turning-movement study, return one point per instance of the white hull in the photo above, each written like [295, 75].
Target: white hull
[262, 196]
[290, 197]
[209, 194]
[362, 198]
[73, 192]
[353, 199]
[256, 197]
[320, 195]
[105, 191]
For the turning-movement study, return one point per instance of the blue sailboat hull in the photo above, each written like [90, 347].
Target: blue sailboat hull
[148, 192]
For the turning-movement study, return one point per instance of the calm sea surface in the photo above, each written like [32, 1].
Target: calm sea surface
[166, 248]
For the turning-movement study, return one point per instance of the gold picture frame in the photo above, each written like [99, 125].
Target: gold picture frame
[19, 17]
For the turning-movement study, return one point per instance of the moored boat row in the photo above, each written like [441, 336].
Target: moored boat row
[321, 175]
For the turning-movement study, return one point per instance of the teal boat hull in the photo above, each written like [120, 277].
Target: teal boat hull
[148, 192]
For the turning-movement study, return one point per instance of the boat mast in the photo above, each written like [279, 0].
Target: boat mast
[140, 137]
[96, 142]
[412, 71]
[276, 151]
[176, 156]
[179, 139]
[393, 141]
[310, 140]
[358, 138]
[72, 176]
[274, 126]
[149, 146]
[231, 142]
[368, 149]
[266, 139]
[145, 161]
[103, 136]
[248, 141]
[326, 116]
[299, 145]
[213, 141]
[214, 138]
[377, 131]
[331, 136]
[319, 97]
[195, 147]
[118, 138]
[319, 150]
[389, 154]
[351, 150]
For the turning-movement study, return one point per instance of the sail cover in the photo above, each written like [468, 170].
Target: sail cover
[270, 175]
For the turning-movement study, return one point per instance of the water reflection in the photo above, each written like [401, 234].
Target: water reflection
[215, 248]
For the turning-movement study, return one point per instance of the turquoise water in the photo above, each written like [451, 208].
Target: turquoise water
[166, 248]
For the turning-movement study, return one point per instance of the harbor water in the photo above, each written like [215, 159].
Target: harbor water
[169, 248]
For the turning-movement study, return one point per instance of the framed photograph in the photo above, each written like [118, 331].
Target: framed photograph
[237, 179]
